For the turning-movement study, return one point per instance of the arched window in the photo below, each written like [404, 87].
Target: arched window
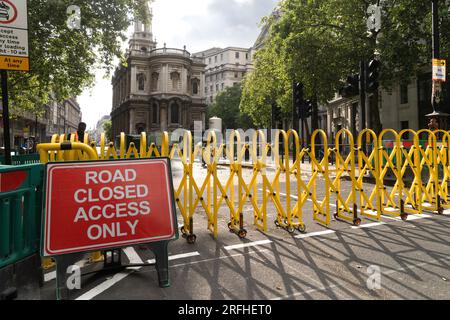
[155, 78]
[141, 81]
[174, 113]
[175, 77]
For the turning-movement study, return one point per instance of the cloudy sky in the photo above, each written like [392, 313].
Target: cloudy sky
[198, 24]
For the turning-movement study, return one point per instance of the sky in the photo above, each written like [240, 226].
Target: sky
[198, 24]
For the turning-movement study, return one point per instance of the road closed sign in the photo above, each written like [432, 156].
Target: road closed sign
[14, 53]
[107, 204]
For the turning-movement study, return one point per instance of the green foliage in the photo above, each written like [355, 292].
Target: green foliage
[321, 42]
[63, 61]
[107, 127]
[226, 107]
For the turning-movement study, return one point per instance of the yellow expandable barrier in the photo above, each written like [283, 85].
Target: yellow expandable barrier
[405, 179]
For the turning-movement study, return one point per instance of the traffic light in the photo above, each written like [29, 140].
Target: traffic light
[351, 87]
[373, 74]
[306, 109]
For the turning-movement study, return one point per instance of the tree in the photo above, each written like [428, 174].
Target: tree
[226, 107]
[320, 43]
[107, 127]
[63, 60]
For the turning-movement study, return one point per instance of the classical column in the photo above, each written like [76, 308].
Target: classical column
[131, 129]
[163, 116]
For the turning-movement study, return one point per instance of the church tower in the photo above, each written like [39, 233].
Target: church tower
[142, 39]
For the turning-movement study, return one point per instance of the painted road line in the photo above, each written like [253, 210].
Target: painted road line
[134, 259]
[446, 212]
[411, 217]
[314, 234]
[246, 245]
[178, 256]
[369, 225]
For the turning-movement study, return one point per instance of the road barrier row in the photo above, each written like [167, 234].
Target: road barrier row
[417, 170]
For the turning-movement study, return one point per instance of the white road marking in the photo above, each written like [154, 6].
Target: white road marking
[178, 256]
[411, 217]
[314, 234]
[246, 245]
[134, 258]
[369, 225]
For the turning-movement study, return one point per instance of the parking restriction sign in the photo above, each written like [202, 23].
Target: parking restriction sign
[14, 53]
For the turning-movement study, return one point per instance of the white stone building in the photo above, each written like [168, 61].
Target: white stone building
[224, 68]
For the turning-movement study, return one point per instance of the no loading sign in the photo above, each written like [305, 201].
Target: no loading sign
[8, 12]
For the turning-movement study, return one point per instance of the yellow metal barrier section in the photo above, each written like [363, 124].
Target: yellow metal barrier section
[393, 173]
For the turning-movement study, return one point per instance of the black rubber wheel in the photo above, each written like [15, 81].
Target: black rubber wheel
[301, 229]
[277, 223]
[191, 238]
[229, 226]
[357, 222]
[336, 216]
[404, 216]
[183, 230]
[242, 234]
[290, 229]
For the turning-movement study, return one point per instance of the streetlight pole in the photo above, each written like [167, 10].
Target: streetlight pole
[437, 117]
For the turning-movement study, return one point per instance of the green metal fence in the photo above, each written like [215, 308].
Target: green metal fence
[22, 159]
[20, 212]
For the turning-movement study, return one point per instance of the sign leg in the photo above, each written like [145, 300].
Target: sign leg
[62, 275]
[162, 262]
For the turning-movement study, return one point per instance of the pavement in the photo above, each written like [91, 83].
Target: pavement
[337, 262]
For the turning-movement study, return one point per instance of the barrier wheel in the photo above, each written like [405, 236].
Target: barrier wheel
[191, 238]
[440, 211]
[404, 216]
[230, 226]
[242, 234]
[336, 216]
[290, 229]
[277, 223]
[357, 222]
[301, 229]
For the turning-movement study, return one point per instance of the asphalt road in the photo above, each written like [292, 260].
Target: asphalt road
[325, 263]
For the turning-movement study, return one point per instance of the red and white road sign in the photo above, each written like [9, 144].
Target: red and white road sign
[100, 205]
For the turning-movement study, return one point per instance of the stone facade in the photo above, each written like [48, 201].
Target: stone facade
[224, 68]
[159, 89]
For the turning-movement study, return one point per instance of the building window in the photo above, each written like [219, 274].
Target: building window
[217, 87]
[175, 77]
[211, 99]
[215, 59]
[209, 60]
[404, 93]
[155, 113]
[237, 55]
[155, 78]
[141, 81]
[174, 113]
[221, 57]
[223, 86]
[246, 56]
[235, 74]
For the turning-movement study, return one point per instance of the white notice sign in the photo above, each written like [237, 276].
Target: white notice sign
[14, 35]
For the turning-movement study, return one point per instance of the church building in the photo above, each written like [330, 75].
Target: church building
[159, 89]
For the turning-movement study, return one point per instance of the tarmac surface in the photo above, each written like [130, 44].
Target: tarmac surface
[338, 262]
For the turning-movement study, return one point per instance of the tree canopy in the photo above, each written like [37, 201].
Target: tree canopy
[226, 107]
[63, 60]
[321, 42]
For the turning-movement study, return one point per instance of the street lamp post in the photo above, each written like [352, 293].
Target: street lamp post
[437, 118]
